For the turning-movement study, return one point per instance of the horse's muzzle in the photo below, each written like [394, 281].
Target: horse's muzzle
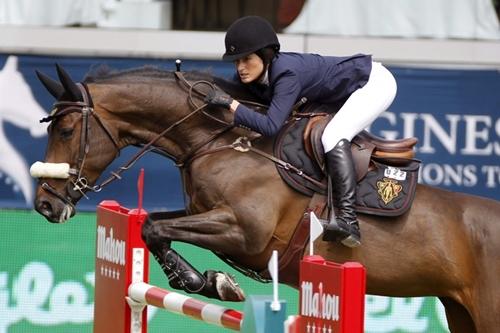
[52, 206]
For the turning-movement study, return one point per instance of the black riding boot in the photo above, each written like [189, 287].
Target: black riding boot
[342, 227]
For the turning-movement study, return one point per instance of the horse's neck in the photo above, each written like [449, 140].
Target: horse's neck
[140, 115]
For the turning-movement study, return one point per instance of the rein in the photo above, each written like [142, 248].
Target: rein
[85, 108]
[147, 147]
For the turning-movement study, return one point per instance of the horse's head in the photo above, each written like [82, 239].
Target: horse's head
[80, 146]
[145, 107]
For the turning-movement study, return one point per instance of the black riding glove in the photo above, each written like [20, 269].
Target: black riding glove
[218, 98]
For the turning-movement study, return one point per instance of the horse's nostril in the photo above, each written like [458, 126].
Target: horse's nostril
[44, 207]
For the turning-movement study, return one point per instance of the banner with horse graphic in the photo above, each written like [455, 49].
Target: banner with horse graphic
[458, 133]
[237, 206]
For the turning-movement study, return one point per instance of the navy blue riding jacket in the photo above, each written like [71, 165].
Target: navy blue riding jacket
[321, 79]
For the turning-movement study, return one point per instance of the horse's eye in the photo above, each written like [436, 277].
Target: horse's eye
[65, 133]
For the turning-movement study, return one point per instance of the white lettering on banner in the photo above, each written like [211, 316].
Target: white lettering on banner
[319, 305]
[441, 314]
[473, 134]
[460, 135]
[497, 129]
[36, 299]
[481, 132]
[492, 173]
[384, 314]
[431, 126]
[467, 175]
[444, 174]
[108, 248]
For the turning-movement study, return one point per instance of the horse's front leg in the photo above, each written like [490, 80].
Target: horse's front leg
[212, 230]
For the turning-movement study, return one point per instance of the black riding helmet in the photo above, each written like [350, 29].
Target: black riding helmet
[247, 35]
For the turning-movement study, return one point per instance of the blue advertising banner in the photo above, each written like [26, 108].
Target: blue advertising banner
[455, 116]
[453, 113]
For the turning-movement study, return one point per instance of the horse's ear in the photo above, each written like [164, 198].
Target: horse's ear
[69, 85]
[54, 87]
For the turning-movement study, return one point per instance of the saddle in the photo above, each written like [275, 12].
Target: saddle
[386, 170]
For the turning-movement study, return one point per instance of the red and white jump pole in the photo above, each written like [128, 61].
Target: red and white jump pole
[184, 305]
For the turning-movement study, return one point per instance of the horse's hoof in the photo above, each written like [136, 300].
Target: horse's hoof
[227, 288]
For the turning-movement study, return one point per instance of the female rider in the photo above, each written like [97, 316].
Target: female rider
[365, 88]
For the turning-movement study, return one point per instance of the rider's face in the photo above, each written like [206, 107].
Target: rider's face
[249, 68]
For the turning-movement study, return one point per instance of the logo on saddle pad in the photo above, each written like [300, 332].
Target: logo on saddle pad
[388, 189]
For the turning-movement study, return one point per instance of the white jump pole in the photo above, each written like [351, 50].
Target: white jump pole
[178, 303]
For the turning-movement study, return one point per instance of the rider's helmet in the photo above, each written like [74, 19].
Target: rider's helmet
[247, 35]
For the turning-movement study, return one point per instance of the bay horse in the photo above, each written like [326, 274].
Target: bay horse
[447, 245]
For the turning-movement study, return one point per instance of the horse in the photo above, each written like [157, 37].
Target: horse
[446, 245]
[18, 107]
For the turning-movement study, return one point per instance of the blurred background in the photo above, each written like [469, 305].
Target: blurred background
[445, 55]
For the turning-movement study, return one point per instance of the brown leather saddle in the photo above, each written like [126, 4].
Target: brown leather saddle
[364, 146]
[386, 169]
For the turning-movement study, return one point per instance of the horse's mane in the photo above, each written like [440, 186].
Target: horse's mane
[106, 74]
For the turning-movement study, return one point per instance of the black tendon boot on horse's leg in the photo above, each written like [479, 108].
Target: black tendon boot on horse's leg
[183, 276]
[180, 273]
[344, 226]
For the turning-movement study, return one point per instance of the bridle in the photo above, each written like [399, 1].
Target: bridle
[62, 108]
[79, 183]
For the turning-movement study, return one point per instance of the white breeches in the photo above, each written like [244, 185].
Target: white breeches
[361, 108]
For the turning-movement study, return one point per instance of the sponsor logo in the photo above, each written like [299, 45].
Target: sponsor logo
[319, 304]
[458, 150]
[108, 248]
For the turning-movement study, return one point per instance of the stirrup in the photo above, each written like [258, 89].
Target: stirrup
[339, 231]
[333, 231]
